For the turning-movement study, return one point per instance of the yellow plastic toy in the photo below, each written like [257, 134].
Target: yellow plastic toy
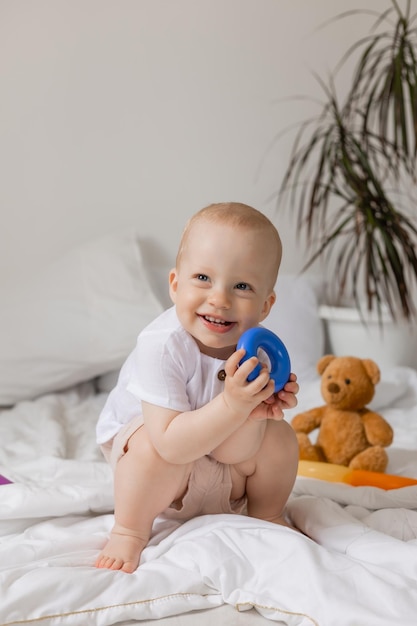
[357, 478]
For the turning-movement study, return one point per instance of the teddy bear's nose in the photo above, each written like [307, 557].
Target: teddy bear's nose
[333, 388]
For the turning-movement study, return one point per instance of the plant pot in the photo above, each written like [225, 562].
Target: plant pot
[388, 344]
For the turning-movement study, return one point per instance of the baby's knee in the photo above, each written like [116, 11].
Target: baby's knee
[280, 437]
[140, 445]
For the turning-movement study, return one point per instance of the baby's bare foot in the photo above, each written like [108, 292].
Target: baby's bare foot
[282, 521]
[122, 551]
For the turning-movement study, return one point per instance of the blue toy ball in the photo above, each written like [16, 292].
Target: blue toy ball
[261, 338]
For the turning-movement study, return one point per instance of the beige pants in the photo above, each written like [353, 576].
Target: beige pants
[209, 485]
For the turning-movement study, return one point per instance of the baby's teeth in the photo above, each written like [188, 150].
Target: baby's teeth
[212, 319]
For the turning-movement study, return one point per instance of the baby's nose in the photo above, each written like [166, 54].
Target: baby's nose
[220, 298]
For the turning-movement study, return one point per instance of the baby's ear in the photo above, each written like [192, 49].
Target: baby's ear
[268, 304]
[173, 284]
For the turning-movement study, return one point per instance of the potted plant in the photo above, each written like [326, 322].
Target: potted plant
[352, 172]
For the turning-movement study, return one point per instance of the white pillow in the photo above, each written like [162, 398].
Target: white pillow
[76, 320]
[295, 319]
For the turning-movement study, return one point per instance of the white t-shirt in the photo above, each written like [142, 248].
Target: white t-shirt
[166, 368]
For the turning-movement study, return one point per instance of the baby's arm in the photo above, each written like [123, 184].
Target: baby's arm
[246, 440]
[274, 407]
[184, 437]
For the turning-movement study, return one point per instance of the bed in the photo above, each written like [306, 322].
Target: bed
[64, 335]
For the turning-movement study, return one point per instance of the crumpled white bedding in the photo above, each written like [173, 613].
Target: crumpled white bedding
[355, 565]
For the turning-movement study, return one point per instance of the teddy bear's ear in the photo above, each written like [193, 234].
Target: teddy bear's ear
[372, 369]
[324, 362]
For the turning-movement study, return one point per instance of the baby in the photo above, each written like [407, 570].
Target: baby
[184, 430]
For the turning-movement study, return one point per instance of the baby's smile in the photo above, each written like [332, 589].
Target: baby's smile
[216, 323]
[216, 320]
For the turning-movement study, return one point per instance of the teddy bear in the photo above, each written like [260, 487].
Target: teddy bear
[349, 433]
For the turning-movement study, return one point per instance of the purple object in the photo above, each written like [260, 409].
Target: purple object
[4, 480]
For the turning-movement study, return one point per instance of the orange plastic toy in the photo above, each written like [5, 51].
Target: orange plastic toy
[357, 478]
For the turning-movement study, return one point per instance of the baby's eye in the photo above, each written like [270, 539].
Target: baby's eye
[243, 287]
[202, 277]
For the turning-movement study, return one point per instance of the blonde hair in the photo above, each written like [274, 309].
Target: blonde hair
[238, 215]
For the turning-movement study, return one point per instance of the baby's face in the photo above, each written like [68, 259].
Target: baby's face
[223, 285]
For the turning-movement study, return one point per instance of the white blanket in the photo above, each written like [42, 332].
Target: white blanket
[357, 566]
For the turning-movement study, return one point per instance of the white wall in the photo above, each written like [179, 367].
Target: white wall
[137, 113]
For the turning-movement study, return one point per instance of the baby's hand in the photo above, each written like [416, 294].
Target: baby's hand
[241, 395]
[274, 406]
